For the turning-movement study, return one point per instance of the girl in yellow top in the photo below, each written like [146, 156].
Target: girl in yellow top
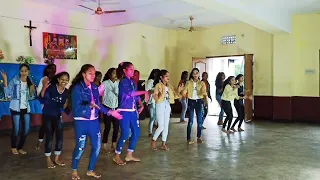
[164, 95]
[230, 93]
[196, 92]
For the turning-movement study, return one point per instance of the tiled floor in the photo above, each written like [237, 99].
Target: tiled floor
[266, 150]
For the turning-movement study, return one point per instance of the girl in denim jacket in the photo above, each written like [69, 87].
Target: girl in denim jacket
[86, 106]
[20, 90]
[128, 96]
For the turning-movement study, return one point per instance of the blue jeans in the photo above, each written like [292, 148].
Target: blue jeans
[152, 112]
[19, 117]
[128, 122]
[195, 105]
[184, 104]
[53, 124]
[84, 128]
[218, 98]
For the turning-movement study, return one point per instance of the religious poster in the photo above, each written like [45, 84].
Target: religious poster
[59, 46]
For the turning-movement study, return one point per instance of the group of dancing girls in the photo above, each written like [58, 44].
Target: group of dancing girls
[119, 102]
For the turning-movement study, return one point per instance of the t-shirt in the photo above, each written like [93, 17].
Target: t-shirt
[195, 91]
[23, 95]
[167, 94]
[149, 87]
[54, 100]
[93, 110]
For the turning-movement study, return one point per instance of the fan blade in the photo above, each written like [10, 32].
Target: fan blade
[115, 11]
[183, 28]
[86, 7]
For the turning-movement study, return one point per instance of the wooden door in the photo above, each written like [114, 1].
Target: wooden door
[200, 63]
[248, 84]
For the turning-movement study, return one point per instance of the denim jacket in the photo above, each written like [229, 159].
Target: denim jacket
[12, 91]
[126, 89]
[81, 100]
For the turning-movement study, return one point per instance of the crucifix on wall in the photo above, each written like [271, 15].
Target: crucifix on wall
[30, 27]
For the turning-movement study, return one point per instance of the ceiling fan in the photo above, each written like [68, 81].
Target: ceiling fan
[99, 10]
[191, 29]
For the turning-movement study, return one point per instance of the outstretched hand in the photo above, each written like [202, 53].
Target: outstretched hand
[116, 114]
[94, 105]
[4, 75]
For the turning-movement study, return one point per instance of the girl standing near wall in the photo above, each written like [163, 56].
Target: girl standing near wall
[219, 87]
[85, 102]
[230, 93]
[128, 96]
[20, 90]
[164, 95]
[184, 100]
[151, 104]
[109, 89]
[197, 95]
[239, 104]
[48, 74]
[54, 101]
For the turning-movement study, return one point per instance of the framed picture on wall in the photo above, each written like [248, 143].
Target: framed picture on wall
[59, 46]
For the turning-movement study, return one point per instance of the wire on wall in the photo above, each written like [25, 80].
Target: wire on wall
[46, 22]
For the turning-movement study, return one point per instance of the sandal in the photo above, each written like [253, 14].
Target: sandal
[93, 174]
[75, 177]
[22, 151]
[133, 159]
[14, 151]
[60, 163]
[120, 162]
[164, 147]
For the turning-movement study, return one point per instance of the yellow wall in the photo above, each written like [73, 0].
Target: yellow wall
[249, 40]
[280, 60]
[103, 47]
[293, 54]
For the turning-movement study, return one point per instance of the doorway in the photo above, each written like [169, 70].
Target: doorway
[231, 66]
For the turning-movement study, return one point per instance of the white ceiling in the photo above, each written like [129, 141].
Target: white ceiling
[269, 15]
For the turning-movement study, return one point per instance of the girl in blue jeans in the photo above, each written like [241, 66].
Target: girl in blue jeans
[219, 90]
[20, 90]
[85, 102]
[128, 96]
[54, 98]
[183, 101]
[152, 81]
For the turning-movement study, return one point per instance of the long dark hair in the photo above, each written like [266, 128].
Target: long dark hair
[78, 78]
[55, 78]
[183, 74]
[226, 82]
[154, 73]
[239, 76]
[162, 73]
[121, 67]
[45, 71]
[194, 69]
[29, 82]
[108, 74]
[219, 79]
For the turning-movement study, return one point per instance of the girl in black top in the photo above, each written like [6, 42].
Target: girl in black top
[219, 86]
[239, 104]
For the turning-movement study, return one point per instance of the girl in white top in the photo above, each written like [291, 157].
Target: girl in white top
[230, 93]
[152, 104]
[109, 90]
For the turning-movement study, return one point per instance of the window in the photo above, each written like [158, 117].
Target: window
[229, 39]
